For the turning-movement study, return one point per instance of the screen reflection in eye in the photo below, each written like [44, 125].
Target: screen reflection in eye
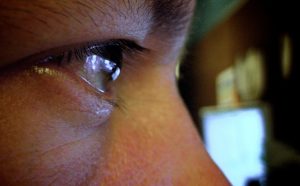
[98, 64]
[98, 72]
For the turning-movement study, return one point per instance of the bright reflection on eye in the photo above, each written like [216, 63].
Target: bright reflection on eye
[116, 74]
[98, 72]
[97, 63]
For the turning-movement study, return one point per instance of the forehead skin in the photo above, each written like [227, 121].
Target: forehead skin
[31, 27]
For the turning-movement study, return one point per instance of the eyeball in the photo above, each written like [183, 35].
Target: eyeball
[99, 72]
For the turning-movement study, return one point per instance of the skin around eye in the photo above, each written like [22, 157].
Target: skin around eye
[51, 109]
[51, 85]
[64, 103]
[44, 111]
[84, 74]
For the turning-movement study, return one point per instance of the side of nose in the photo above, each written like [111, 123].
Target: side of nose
[153, 140]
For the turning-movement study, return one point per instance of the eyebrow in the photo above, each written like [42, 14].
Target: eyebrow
[167, 15]
[165, 19]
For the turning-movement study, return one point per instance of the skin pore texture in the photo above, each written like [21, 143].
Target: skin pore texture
[55, 129]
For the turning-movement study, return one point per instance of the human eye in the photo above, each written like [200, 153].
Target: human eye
[96, 63]
[74, 83]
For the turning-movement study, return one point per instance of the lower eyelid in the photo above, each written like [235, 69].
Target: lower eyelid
[53, 100]
[89, 115]
[76, 102]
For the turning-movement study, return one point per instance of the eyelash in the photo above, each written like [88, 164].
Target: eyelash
[104, 49]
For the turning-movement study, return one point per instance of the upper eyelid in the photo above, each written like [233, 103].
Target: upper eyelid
[96, 48]
[127, 46]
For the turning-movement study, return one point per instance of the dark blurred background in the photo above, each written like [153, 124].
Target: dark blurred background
[244, 52]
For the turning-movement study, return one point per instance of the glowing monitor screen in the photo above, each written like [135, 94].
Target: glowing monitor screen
[235, 140]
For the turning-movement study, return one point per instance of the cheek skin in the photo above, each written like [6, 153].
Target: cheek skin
[48, 133]
[153, 141]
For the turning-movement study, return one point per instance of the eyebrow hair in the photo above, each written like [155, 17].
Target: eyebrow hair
[171, 16]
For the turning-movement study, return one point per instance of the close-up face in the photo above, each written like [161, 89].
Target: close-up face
[88, 95]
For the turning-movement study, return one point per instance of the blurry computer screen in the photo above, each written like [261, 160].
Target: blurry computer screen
[235, 139]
